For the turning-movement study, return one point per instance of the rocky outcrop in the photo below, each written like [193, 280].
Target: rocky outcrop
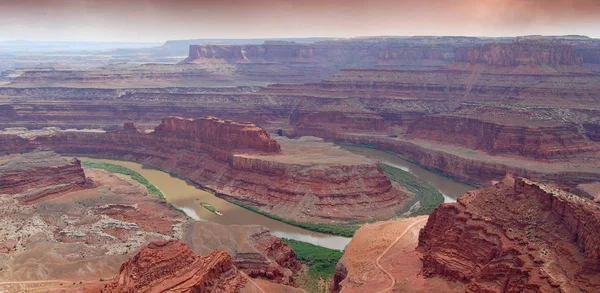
[14, 144]
[415, 52]
[308, 180]
[7, 112]
[39, 174]
[225, 135]
[173, 266]
[479, 169]
[79, 234]
[520, 53]
[516, 235]
[592, 131]
[522, 138]
[253, 249]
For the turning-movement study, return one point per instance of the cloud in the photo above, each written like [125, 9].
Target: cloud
[159, 20]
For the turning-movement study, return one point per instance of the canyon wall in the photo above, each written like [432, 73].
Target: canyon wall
[253, 249]
[542, 142]
[520, 53]
[306, 181]
[592, 131]
[514, 236]
[474, 169]
[39, 174]
[226, 135]
[412, 52]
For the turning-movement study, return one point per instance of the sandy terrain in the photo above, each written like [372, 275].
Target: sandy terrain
[592, 189]
[309, 150]
[382, 258]
[81, 236]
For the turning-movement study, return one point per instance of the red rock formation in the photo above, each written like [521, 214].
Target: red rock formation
[39, 174]
[592, 131]
[520, 53]
[225, 135]
[172, 266]
[408, 52]
[257, 176]
[515, 236]
[14, 144]
[253, 249]
[518, 137]
[7, 112]
[468, 168]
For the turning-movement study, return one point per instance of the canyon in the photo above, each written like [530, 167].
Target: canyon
[66, 224]
[515, 235]
[474, 109]
[240, 161]
[535, 237]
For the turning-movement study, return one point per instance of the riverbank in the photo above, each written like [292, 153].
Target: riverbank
[424, 194]
[186, 195]
[320, 262]
[345, 230]
[426, 197]
[112, 168]
[373, 147]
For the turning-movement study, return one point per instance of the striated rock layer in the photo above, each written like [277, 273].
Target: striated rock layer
[309, 181]
[39, 174]
[477, 167]
[253, 249]
[515, 236]
[527, 140]
[520, 53]
[172, 266]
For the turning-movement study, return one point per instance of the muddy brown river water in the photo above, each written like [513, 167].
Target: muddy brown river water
[188, 198]
[448, 187]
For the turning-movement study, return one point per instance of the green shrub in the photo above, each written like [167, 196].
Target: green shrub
[321, 261]
[112, 168]
[209, 207]
[425, 193]
[346, 230]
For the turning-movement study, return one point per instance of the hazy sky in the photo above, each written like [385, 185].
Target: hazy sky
[160, 20]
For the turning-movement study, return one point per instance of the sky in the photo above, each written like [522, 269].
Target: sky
[161, 20]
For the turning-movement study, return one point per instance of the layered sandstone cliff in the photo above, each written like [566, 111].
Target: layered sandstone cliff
[520, 53]
[514, 236]
[225, 135]
[173, 266]
[39, 174]
[253, 249]
[411, 52]
[592, 130]
[513, 135]
[307, 180]
[478, 167]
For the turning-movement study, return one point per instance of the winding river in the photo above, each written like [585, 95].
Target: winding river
[188, 198]
[448, 187]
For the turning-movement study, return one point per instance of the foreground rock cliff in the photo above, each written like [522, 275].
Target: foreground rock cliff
[305, 179]
[515, 236]
[33, 176]
[172, 266]
[253, 249]
[87, 222]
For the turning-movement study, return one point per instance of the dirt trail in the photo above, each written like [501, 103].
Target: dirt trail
[388, 249]
[253, 283]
